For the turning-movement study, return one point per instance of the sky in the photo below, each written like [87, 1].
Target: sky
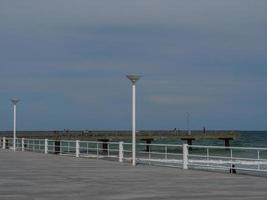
[67, 60]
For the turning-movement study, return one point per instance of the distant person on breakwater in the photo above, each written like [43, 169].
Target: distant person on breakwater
[204, 130]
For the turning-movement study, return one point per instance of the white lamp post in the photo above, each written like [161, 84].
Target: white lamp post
[133, 79]
[14, 101]
[188, 123]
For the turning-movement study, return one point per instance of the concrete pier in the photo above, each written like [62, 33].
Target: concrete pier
[147, 136]
[148, 142]
[104, 145]
[226, 141]
[57, 147]
[27, 175]
[189, 142]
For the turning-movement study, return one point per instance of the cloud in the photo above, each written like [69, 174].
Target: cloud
[177, 100]
[195, 55]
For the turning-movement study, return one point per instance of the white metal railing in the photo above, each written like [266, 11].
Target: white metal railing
[96, 149]
[172, 155]
[155, 154]
[228, 158]
[35, 145]
[8, 143]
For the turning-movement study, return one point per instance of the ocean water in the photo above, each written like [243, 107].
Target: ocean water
[257, 139]
[251, 139]
[246, 139]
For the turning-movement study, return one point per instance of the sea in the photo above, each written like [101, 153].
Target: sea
[246, 139]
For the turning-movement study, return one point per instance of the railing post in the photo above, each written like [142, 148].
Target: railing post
[46, 146]
[149, 156]
[33, 145]
[4, 142]
[68, 147]
[108, 148]
[120, 151]
[77, 148]
[185, 156]
[22, 144]
[166, 152]
[259, 167]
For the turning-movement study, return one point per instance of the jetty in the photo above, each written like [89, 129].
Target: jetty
[147, 136]
[28, 175]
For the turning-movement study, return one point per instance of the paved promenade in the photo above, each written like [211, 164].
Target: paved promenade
[26, 175]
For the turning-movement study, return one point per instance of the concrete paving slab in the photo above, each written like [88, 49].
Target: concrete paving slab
[36, 176]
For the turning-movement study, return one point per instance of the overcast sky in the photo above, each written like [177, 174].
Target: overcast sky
[67, 60]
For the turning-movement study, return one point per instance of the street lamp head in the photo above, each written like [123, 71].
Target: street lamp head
[133, 77]
[14, 100]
